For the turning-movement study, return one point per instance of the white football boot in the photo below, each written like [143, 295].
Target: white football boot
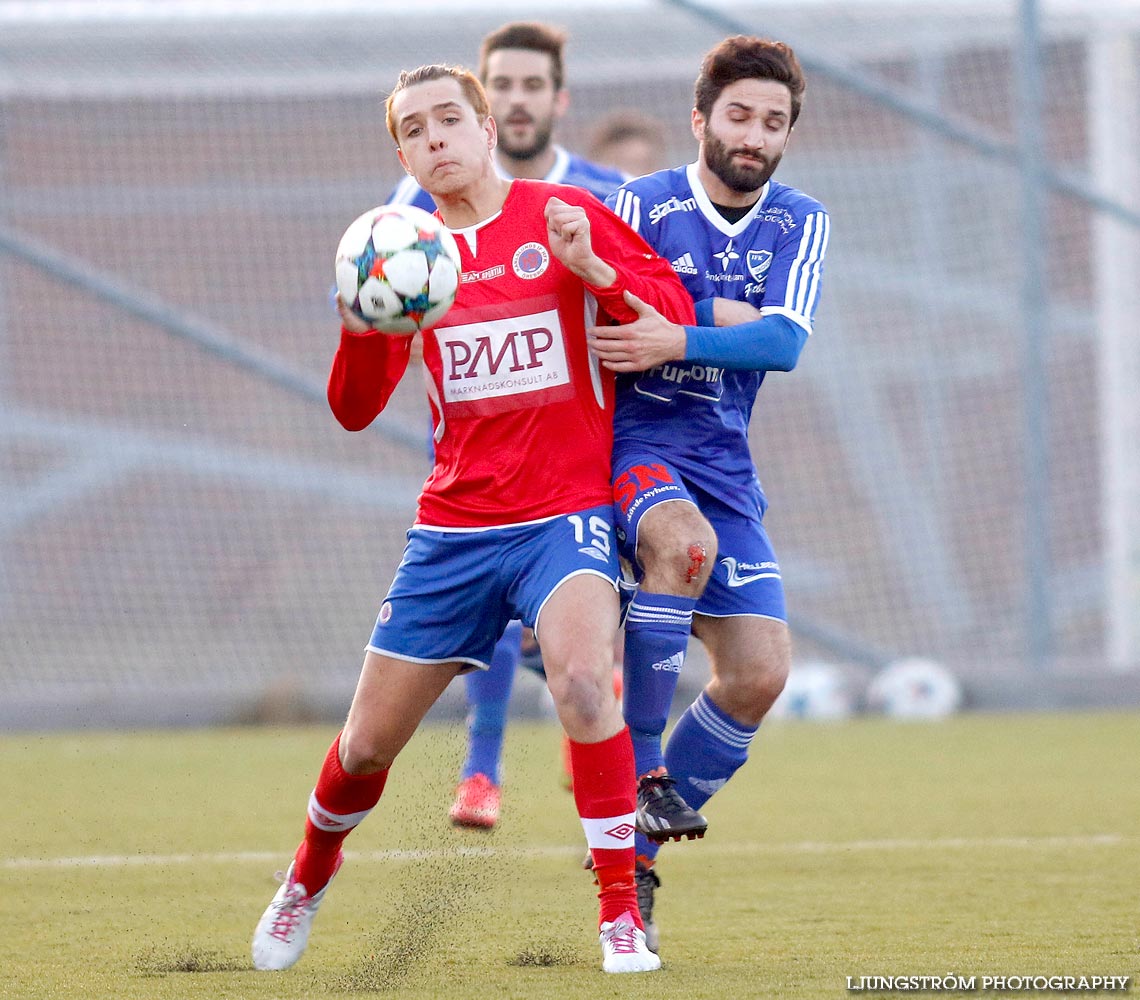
[282, 933]
[623, 947]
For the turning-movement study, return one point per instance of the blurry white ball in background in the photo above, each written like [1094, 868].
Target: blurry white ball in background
[815, 691]
[915, 688]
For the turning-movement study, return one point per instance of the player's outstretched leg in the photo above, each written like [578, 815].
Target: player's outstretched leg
[282, 933]
[337, 805]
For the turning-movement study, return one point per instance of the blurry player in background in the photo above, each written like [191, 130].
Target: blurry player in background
[629, 140]
[515, 520]
[688, 502]
[521, 69]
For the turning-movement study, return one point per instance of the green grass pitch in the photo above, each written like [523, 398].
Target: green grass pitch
[135, 865]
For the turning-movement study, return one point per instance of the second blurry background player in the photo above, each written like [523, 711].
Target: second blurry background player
[522, 70]
[629, 140]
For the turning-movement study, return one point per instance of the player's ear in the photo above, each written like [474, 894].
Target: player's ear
[697, 122]
[490, 126]
[561, 102]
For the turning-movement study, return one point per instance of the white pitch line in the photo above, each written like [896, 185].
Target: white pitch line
[538, 852]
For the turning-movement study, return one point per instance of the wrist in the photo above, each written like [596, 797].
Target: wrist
[598, 273]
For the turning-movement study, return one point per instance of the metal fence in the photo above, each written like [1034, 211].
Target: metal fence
[186, 535]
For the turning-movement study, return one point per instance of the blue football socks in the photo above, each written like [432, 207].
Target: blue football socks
[705, 749]
[656, 637]
[488, 695]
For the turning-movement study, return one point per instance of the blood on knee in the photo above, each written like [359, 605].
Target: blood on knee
[697, 557]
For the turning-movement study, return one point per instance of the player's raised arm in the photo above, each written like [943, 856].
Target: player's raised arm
[634, 266]
[365, 371]
[568, 227]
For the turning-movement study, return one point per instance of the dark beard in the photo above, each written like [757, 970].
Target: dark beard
[737, 177]
[538, 146]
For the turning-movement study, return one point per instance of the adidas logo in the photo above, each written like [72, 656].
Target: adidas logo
[673, 664]
[708, 785]
[684, 264]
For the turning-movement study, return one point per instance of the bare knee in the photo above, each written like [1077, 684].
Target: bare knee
[677, 553]
[584, 698]
[363, 752]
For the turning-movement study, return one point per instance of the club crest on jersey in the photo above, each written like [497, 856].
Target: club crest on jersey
[758, 262]
[530, 260]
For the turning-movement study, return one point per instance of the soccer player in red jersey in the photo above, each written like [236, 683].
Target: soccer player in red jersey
[516, 517]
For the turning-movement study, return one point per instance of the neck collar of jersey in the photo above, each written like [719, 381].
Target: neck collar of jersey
[708, 209]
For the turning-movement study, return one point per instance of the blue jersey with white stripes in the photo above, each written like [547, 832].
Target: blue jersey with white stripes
[568, 169]
[771, 258]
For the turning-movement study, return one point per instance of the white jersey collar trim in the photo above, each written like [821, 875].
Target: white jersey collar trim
[708, 209]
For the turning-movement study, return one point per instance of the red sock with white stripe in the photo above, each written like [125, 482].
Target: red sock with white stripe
[605, 791]
[336, 807]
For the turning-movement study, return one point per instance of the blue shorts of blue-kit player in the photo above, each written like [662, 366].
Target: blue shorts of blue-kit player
[455, 591]
[746, 575]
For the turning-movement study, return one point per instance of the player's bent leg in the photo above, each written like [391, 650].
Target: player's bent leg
[676, 548]
[749, 656]
[392, 696]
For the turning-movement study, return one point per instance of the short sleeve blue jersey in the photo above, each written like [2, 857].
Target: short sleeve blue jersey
[568, 169]
[771, 258]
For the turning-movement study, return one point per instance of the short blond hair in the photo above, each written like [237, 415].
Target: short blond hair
[468, 83]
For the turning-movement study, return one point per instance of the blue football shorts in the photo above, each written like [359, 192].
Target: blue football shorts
[746, 576]
[455, 591]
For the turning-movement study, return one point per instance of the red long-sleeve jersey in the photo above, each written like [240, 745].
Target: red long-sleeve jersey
[522, 412]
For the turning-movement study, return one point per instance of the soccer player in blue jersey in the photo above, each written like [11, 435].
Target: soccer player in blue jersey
[688, 500]
[521, 69]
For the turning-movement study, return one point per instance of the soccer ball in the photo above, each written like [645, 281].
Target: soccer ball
[915, 688]
[397, 267]
[817, 691]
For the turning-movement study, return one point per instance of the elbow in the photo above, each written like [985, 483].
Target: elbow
[351, 418]
[354, 422]
[790, 356]
[786, 364]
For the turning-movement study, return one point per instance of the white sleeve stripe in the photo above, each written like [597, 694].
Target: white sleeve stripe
[816, 264]
[803, 279]
[794, 316]
[628, 207]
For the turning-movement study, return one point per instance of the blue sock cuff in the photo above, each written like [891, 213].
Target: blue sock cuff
[661, 609]
[714, 720]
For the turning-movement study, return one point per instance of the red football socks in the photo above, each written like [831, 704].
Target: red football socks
[337, 805]
[605, 792]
